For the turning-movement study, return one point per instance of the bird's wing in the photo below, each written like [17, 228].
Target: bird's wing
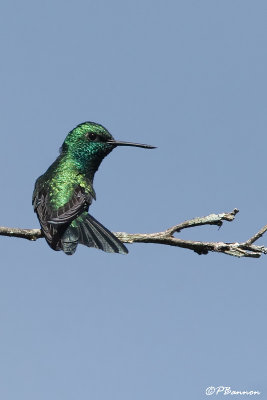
[52, 220]
[79, 202]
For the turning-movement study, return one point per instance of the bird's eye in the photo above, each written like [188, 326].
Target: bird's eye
[92, 136]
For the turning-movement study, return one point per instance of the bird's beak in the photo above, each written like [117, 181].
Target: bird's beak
[119, 143]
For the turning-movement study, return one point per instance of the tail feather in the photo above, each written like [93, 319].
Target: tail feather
[84, 237]
[108, 242]
[70, 240]
[88, 231]
[92, 236]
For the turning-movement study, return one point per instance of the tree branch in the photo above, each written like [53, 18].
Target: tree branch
[242, 249]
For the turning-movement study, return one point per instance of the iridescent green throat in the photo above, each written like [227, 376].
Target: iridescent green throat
[86, 158]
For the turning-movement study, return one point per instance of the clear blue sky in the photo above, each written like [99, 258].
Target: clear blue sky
[160, 323]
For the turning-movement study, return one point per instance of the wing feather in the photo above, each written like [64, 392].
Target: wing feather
[53, 221]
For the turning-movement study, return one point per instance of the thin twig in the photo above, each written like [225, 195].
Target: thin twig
[212, 219]
[236, 249]
[256, 236]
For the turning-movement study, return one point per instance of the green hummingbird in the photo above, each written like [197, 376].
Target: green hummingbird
[64, 193]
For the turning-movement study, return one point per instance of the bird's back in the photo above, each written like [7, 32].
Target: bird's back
[61, 199]
[60, 195]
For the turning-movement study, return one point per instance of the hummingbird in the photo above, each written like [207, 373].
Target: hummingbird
[64, 193]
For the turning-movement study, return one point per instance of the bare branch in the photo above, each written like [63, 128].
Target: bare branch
[256, 236]
[212, 219]
[30, 234]
[236, 249]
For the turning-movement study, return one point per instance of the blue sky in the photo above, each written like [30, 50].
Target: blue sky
[160, 323]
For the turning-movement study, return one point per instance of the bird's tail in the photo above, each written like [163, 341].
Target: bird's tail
[88, 231]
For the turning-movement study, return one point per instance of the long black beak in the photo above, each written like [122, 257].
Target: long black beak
[119, 143]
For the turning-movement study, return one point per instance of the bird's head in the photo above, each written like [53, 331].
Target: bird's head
[89, 143]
